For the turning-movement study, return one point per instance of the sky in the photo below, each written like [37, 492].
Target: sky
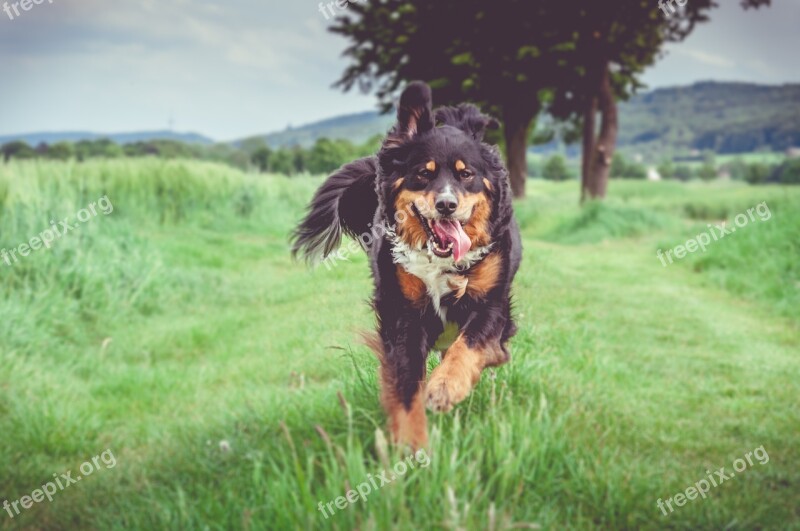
[235, 68]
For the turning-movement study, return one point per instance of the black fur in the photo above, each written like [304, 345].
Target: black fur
[346, 202]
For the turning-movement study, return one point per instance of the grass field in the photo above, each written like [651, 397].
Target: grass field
[230, 386]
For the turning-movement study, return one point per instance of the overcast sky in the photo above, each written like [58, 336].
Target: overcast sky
[240, 67]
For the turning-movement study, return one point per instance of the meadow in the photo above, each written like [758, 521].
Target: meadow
[230, 385]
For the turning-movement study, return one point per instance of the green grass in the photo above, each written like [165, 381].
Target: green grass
[178, 322]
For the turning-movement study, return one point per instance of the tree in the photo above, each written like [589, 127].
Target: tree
[445, 43]
[615, 43]
[17, 150]
[261, 158]
[328, 155]
[555, 169]
[574, 57]
[282, 161]
[300, 159]
[60, 151]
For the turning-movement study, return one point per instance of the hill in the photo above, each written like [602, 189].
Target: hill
[354, 127]
[724, 117]
[34, 139]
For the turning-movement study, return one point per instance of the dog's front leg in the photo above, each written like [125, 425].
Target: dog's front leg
[403, 379]
[477, 346]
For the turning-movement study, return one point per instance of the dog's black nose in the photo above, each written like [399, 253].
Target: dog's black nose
[446, 203]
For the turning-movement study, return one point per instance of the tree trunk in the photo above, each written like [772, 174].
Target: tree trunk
[516, 129]
[601, 155]
[589, 132]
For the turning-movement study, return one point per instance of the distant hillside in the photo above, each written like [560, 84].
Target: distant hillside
[725, 117]
[34, 139]
[354, 127]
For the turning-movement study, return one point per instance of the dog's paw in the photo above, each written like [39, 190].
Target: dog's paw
[445, 391]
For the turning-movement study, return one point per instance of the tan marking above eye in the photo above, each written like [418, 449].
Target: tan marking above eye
[431, 166]
[460, 166]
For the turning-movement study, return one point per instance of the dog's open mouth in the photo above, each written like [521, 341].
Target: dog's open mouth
[446, 237]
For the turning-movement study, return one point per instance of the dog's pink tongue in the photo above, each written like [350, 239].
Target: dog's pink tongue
[449, 230]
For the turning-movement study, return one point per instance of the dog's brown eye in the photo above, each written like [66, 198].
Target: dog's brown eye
[465, 174]
[425, 174]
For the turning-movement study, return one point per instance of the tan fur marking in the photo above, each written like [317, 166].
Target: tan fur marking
[454, 378]
[407, 426]
[398, 183]
[409, 226]
[413, 287]
[484, 276]
[487, 183]
[478, 209]
[431, 166]
[460, 165]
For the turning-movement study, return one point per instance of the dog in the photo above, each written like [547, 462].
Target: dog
[448, 259]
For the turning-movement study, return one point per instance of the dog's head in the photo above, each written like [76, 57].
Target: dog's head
[444, 187]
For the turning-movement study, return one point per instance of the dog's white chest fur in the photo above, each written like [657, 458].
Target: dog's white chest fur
[438, 274]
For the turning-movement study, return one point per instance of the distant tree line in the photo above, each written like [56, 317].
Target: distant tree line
[323, 157]
[106, 148]
[556, 168]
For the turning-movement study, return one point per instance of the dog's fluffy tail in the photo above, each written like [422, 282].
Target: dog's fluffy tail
[345, 203]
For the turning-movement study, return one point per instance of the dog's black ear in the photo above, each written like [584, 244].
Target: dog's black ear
[468, 118]
[414, 113]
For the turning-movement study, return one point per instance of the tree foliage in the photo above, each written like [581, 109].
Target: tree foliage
[571, 57]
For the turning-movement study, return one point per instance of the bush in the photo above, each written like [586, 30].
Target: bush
[683, 173]
[737, 168]
[707, 172]
[666, 169]
[788, 172]
[757, 173]
[556, 169]
[622, 169]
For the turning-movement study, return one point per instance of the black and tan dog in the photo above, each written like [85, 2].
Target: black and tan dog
[446, 252]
